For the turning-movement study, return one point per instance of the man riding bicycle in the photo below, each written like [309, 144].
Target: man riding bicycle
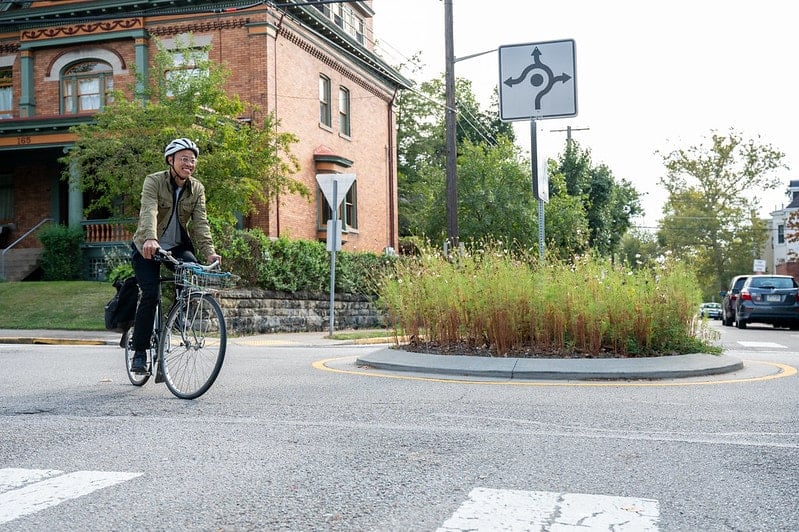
[173, 218]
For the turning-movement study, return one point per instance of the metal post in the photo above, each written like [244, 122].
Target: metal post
[334, 228]
[534, 168]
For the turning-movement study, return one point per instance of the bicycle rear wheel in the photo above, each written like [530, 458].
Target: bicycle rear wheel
[192, 347]
[136, 379]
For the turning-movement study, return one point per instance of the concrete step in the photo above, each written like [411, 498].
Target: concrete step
[20, 263]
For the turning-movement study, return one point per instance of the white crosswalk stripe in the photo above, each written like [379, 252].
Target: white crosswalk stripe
[26, 491]
[516, 510]
[767, 345]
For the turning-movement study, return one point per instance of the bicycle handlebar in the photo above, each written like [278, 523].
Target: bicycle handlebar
[163, 255]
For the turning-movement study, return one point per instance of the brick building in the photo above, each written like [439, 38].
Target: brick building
[313, 66]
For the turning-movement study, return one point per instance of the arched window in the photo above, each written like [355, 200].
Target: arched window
[86, 86]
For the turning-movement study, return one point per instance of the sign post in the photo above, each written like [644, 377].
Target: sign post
[541, 74]
[335, 188]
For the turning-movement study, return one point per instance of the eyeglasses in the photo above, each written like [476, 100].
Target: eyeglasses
[188, 160]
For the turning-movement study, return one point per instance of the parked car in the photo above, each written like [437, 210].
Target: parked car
[729, 298]
[710, 310]
[772, 299]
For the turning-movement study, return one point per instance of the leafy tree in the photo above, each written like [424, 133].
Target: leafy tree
[792, 234]
[241, 166]
[421, 142]
[609, 205]
[495, 199]
[496, 202]
[587, 207]
[640, 249]
[713, 197]
[565, 222]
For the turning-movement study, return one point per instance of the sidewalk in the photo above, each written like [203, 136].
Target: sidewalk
[389, 359]
[61, 337]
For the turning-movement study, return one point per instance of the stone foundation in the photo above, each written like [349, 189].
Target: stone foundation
[256, 311]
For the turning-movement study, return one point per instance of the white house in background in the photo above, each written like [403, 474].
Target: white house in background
[785, 254]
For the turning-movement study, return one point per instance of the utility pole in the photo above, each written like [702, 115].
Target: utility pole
[451, 133]
[568, 131]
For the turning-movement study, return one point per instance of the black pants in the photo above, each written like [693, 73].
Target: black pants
[147, 275]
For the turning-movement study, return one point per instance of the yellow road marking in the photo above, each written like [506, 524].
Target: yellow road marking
[783, 370]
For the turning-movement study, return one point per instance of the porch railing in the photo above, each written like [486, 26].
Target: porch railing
[106, 231]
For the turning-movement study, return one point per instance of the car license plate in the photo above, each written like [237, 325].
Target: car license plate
[774, 298]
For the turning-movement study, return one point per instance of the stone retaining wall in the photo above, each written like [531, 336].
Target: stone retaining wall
[257, 311]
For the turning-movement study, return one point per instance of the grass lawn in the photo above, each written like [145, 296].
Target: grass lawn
[69, 305]
[80, 306]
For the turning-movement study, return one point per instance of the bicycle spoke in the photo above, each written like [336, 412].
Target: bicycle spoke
[194, 346]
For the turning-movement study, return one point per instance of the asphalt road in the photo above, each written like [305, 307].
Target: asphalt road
[301, 438]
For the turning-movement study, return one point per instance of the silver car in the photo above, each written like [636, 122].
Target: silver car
[710, 310]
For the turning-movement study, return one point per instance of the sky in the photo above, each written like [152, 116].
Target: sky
[650, 76]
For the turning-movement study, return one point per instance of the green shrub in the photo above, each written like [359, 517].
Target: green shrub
[298, 265]
[118, 263]
[242, 253]
[362, 273]
[295, 265]
[61, 259]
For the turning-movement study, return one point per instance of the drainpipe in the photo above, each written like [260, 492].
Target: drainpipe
[392, 231]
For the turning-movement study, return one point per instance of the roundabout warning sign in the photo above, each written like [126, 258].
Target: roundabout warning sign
[537, 80]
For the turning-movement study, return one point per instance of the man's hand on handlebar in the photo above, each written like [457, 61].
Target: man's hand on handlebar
[149, 248]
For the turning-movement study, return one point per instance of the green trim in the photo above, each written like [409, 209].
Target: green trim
[64, 41]
[335, 159]
[32, 128]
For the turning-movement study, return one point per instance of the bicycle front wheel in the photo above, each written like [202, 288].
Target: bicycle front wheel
[192, 347]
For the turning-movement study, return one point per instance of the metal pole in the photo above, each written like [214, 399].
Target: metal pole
[450, 125]
[334, 228]
[534, 165]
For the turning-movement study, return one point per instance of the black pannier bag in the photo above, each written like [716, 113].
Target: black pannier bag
[121, 310]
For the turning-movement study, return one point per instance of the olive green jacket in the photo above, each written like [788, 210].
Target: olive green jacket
[157, 199]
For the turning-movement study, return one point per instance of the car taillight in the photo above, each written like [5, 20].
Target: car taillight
[745, 295]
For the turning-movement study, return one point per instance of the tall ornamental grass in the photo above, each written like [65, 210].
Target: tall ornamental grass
[509, 304]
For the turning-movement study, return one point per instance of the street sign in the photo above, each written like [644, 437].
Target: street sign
[759, 266]
[335, 188]
[537, 80]
[343, 182]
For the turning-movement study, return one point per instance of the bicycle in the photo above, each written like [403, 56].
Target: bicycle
[187, 347]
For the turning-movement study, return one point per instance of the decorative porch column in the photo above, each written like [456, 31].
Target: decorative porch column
[75, 199]
[142, 66]
[27, 104]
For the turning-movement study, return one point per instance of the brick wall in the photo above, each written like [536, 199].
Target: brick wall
[788, 268]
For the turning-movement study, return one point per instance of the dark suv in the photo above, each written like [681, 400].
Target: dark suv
[729, 299]
[772, 299]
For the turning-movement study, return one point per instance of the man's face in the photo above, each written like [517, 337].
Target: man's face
[184, 164]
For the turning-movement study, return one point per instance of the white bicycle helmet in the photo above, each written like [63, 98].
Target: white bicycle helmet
[181, 144]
